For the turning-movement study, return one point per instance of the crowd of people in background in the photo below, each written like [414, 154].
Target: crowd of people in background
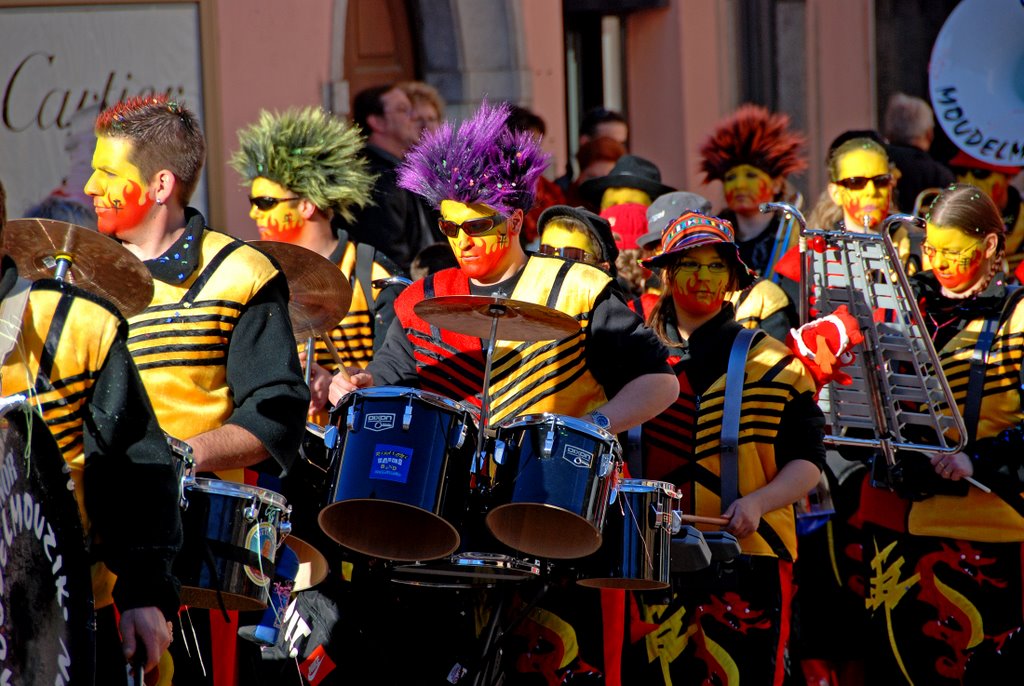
[921, 582]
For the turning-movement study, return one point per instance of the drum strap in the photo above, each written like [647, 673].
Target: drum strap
[211, 268]
[364, 271]
[12, 311]
[979, 361]
[730, 441]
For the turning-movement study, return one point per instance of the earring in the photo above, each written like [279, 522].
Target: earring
[159, 201]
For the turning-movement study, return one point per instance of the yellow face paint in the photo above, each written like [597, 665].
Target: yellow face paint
[283, 222]
[621, 196]
[119, 193]
[870, 203]
[956, 258]
[701, 291]
[746, 187]
[484, 257]
[994, 184]
[557, 236]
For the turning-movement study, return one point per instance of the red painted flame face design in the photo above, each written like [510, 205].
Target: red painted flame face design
[746, 187]
[703, 291]
[120, 194]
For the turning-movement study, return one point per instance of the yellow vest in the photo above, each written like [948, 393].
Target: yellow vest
[550, 376]
[772, 381]
[353, 336]
[180, 342]
[979, 516]
[78, 348]
[762, 300]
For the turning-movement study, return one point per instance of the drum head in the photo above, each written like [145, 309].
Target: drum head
[47, 620]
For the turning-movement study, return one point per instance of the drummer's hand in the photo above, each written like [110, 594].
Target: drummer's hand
[340, 386]
[319, 387]
[744, 515]
[953, 467]
[145, 624]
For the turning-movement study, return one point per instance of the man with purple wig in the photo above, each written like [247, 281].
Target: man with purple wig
[481, 177]
[612, 372]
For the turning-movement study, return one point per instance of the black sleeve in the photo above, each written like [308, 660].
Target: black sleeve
[778, 323]
[266, 380]
[384, 314]
[620, 347]
[131, 487]
[393, 364]
[801, 432]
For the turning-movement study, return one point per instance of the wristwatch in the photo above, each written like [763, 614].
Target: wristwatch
[600, 420]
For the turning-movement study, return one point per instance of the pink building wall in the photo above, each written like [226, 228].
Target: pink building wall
[270, 55]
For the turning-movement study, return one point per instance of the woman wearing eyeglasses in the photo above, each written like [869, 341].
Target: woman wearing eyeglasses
[944, 558]
[728, 623]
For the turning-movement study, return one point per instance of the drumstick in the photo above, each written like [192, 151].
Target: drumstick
[698, 519]
[326, 338]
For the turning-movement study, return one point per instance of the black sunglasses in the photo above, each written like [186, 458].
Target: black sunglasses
[265, 203]
[858, 183]
[472, 227]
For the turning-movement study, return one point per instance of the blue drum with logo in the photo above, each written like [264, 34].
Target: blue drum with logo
[402, 473]
[553, 476]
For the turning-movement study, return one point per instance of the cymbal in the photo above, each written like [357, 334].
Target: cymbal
[517, 320]
[99, 264]
[312, 563]
[320, 294]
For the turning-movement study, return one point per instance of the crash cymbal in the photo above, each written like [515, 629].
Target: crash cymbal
[98, 263]
[517, 320]
[312, 563]
[320, 294]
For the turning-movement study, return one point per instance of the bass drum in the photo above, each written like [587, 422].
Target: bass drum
[48, 628]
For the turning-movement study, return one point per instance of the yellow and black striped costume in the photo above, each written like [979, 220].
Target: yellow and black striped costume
[64, 349]
[354, 335]
[526, 378]
[764, 306]
[180, 342]
[980, 516]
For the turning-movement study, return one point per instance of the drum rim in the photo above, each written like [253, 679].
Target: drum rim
[648, 485]
[575, 423]
[230, 488]
[405, 391]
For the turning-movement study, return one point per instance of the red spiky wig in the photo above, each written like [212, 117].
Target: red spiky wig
[753, 135]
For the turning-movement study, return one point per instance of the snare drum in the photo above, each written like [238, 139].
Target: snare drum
[481, 561]
[402, 475]
[553, 476]
[637, 544]
[232, 532]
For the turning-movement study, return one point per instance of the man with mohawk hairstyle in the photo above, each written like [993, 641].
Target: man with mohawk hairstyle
[214, 348]
[612, 372]
[482, 178]
[303, 168]
[752, 152]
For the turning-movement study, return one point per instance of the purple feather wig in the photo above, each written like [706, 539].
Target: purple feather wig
[484, 162]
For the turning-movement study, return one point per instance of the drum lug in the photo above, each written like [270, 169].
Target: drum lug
[549, 441]
[284, 528]
[351, 419]
[331, 437]
[499, 451]
[407, 415]
[460, 440]
[606, 465]
[252, 511]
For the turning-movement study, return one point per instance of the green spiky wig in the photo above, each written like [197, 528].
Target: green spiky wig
[311, 153]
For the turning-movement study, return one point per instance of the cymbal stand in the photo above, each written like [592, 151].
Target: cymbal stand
[496, 311]
[62, 265]
[310, 354]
